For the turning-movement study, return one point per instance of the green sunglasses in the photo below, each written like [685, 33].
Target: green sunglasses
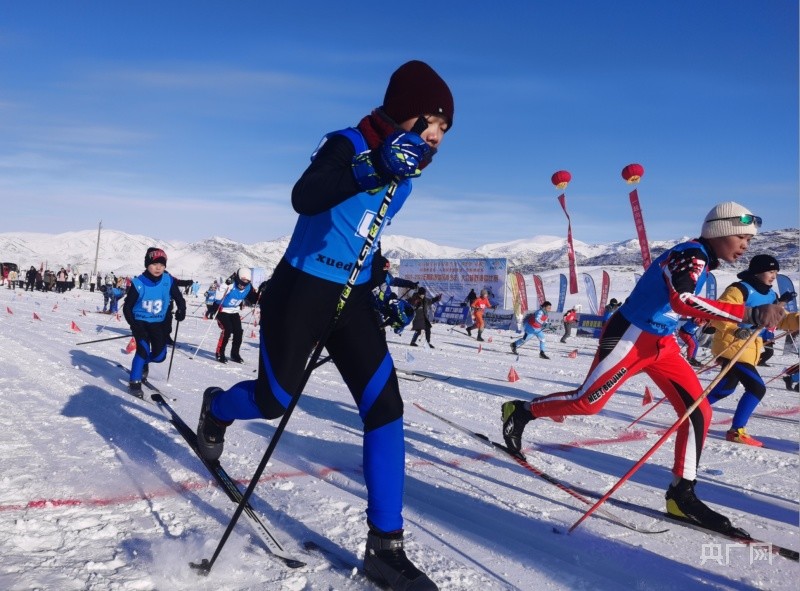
[745, 220]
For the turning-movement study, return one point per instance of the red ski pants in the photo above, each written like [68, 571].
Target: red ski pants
[623, 352]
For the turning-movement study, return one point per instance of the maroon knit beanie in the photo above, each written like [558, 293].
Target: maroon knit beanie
[416, 89]
[155, 255]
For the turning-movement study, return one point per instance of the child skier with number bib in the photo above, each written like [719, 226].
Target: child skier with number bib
[227, 302]
[337, 198]
[146, 304]
[534, 325]
[639, 338]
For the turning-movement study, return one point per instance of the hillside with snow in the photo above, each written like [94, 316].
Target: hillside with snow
[214, 257]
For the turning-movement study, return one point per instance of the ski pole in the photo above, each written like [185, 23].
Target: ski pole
[374, 231]
[122, 336]
[210, 324]
[699, 371]
[669, 431]
[102, 328]
[787, 370]
[645, 413]
[174, 344]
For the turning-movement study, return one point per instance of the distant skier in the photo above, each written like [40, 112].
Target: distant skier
[145, 309]
[423, 313]
[390, 309]
[479, 306]
[686, 333]
[570, 320]
[227, 302]
[610, 308]
[534, 324]
[210, 295]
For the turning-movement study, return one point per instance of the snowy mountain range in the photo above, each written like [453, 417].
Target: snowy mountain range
[124, 253]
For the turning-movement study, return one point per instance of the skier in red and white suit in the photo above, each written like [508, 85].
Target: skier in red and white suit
[640, 338]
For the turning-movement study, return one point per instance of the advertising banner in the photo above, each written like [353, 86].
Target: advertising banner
[537, 282]
[562, 292]
[573, 273]
[453, 278]
[640, 231]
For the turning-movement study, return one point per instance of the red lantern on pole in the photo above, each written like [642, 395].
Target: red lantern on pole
[633, 173]
[561, 179]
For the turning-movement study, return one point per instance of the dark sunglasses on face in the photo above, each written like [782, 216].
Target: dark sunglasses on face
[745, 220]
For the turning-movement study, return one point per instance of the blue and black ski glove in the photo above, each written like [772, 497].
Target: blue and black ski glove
[400, 156]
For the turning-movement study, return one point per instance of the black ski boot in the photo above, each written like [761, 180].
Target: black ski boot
[543, 355]
[221, 358]
[682, 502]
[480, 335]
[514, 348]
[789, 383]
[386, 563]
[210, 430]
[515, 417]
[135, 388]
[236, 358]
[469, 330]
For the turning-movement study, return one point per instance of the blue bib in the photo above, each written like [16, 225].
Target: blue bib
[153, 299]
[328, 244]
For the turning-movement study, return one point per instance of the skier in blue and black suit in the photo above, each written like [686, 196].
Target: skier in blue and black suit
[146, 307]
[336, 199]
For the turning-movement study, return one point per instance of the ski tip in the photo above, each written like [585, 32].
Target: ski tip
[790, 554]
[294, 563]
[558, 531]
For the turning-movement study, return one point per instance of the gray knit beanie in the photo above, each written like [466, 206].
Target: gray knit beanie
[723, 220]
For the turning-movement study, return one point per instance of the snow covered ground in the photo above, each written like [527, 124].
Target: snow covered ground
[99, 492]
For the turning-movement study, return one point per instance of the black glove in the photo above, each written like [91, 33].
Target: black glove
[787, 297]
[180, 314]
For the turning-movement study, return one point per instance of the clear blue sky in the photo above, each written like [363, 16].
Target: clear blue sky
[183, 120]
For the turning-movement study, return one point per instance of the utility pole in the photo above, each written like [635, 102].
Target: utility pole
[97, 249]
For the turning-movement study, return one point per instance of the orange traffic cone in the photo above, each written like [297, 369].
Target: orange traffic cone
[573, 354]
[513, 376]
[131, 346]
[75, 327]
[36, 316]
[480, 347]
[648, 396]
[55, 307]
[9, 310]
